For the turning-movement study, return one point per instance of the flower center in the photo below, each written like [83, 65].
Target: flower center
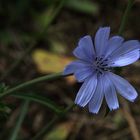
[101, 65]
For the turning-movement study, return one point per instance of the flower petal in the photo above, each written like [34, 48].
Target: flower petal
[97, 98]
[73, 66]
[101, 40]
[126, 59]
[110, 94]
[113, 44]
[125, 48]
[123, 87]
[82, 74]
[86, 91]
[85, 50]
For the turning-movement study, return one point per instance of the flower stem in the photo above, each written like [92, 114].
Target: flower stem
[31, 82]
[125, 16]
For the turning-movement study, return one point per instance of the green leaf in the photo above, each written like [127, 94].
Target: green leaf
[60, 132]
[83, 6]
[39, 99]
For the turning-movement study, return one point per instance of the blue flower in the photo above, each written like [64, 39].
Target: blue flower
[97, 58]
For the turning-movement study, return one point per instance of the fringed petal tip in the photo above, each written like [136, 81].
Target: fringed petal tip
[70, 68]
[123, 87]
[93, 112]
[78, 104]
[104, 28]
[101, 40]
[82, 106]
[134, 98]
[66, 71]
[115, 108]
[85, 49]
[96, 112]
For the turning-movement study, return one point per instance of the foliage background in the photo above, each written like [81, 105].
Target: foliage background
[26, 23]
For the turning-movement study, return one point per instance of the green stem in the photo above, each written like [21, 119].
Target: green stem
[38, 37]
[19, 121]
[125, 16]
[31, 82]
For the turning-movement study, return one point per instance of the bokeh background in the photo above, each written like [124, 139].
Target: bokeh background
[45, 32]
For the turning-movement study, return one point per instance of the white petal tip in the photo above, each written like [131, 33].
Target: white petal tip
[80, 104]
[114, 108]
[133, 100]
[93, 112]
[66, 71]
[105, 28]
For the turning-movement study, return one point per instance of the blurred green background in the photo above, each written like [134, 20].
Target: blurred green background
[44, 33]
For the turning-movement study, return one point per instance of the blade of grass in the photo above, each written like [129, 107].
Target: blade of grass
[125, 16]
[19, 121]
[39, 99]
[83, 6]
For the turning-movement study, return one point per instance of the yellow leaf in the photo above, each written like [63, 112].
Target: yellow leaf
[48, 62]
[60, 132]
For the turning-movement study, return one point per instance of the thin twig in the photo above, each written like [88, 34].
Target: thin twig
[130, 120]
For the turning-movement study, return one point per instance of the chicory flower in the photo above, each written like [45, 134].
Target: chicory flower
[96, 59]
